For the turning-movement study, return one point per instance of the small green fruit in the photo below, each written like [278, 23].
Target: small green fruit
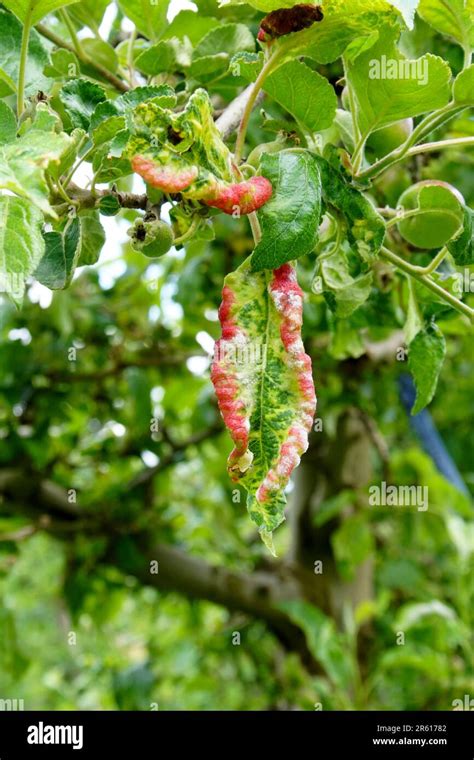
[152, 237]
[383, 141]
[441, 214]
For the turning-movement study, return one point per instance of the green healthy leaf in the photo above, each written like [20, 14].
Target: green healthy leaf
[290, 219]
[23, 163]
[7, 124]
[454, 19]
[149, 18]
[34, 10]
[264, 386]
[43, 119]
[107, 129]
[101, 52]
[388, 87]
[69, 157]
[109, 205]
[190, 24]
[80, 98]
[462, 247]
[64, 65]
[10, 46]
[21, 244]
[92, 238]
[59, 262]
[88, 12]
[209, 67]
[167, 55]
[227, 38]
[463, 88]
[343, 292]
[307, 95]
[365, 226]
[425, 359]
[7, 85]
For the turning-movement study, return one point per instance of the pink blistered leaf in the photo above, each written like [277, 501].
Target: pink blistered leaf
[264, 385]
[242, 197]
[165, 178]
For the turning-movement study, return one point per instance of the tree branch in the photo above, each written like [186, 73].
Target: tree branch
[157, 360]
[146, 475]
[230, 119]
[258, 594]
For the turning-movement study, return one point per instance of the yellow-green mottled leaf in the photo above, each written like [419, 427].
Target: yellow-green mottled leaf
[264, 385]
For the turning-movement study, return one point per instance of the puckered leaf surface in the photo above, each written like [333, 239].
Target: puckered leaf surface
[264, 385]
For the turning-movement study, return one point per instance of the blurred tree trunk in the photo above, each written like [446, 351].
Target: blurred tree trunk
[328, 468]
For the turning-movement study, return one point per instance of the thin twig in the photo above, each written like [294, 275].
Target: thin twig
[119, 84]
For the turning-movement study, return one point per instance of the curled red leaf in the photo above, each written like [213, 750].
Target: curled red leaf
[242, 197]
[165, 178]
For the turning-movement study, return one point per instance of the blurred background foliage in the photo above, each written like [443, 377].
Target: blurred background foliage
[84, 375]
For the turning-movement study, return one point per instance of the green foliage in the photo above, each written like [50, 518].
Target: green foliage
[23, 163]
[425, 359]
[34, 10]
[290, 220]
[462, 247]
[10, 45]
[382, 98]
[455, 20]
[21, 244]
[61, 256]
[289, 85]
